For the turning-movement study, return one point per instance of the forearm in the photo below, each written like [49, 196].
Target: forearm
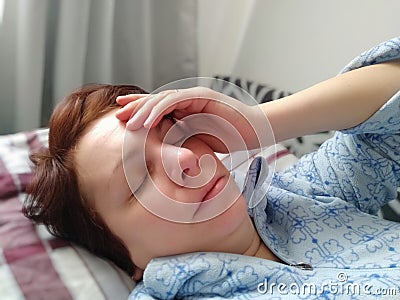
[341, 102]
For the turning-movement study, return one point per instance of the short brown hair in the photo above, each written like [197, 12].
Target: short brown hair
[54, 198]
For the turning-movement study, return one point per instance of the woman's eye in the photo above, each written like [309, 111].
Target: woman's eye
[169, 118]
[166, 123]
[132, 198]
[177, 134]
[142, 183]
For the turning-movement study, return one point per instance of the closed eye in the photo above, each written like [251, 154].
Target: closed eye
[139, 188]
[179, 133]
[170, 118]
[167, 121]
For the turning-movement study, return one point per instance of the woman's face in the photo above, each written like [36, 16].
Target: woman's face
[147, 235]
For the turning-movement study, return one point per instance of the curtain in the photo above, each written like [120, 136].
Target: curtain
[51, 47]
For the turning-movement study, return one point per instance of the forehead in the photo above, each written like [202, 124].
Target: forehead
[96, 153]
[102, 130]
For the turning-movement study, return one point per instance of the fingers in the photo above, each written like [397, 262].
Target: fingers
[152, 111]
[181, 102]
[148, 110]
[130, 104]
[124, 100]
[126, 112]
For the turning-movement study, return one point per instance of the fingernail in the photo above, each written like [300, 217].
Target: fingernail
[131, 124]
[147, 124]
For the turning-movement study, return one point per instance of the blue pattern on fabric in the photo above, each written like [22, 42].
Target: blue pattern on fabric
[321, 212]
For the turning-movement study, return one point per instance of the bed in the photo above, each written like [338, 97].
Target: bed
[35, 265]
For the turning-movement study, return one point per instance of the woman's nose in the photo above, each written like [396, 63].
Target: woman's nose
[179, 163]
[188, 162]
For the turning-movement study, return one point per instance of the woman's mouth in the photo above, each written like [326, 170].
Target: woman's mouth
[216, 187]
[219, 195]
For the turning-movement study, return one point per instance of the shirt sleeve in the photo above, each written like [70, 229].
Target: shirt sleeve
[385, 121]
[360, 165]
[387, 118]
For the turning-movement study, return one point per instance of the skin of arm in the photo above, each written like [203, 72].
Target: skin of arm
[338, 103]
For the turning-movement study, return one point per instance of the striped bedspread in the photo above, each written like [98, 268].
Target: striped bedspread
[33, 264]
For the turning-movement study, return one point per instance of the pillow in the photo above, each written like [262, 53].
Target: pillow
[34, 264]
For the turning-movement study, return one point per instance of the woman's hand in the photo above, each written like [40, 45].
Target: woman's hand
[148, 110]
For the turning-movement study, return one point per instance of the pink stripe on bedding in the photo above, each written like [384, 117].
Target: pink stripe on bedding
[15, 229]
[277, 155]
[7, 186]
[56, 243]
[33, 141]
[22, 248]
[16, 254]
[24, 180]
[26, 256]
[26, 263]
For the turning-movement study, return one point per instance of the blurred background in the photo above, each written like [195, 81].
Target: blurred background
[51, 47]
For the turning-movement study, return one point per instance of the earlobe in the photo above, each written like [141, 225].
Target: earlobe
[137, 274]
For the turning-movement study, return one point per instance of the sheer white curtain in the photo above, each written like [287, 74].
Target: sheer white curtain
[50, 47]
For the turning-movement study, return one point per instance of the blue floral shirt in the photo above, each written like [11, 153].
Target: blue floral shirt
[318, 216]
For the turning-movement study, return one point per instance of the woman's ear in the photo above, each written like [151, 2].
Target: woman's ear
[137, 274]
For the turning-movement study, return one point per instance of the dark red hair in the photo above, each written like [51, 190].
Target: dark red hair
[54, 198]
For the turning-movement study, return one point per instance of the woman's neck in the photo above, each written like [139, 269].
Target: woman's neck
[264, 252]
[259, 249]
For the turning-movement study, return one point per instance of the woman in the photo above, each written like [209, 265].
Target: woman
[313, 217]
